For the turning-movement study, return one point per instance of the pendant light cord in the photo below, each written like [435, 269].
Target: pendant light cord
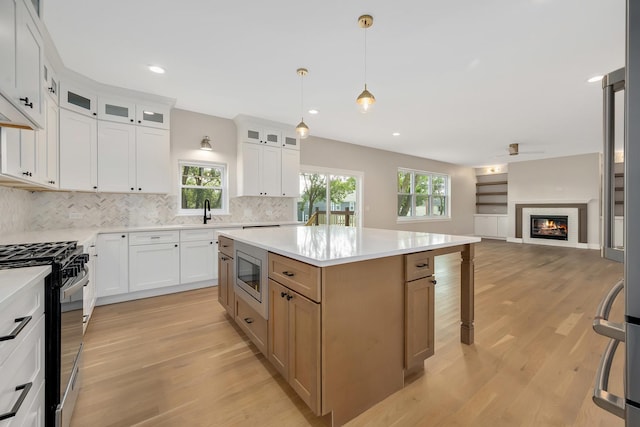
[301, 96]
[365, 58]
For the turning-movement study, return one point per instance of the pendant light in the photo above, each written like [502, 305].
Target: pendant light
[366, 99]
[302, 129]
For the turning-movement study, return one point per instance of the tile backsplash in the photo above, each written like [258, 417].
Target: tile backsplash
[15, 206]
[24, 211]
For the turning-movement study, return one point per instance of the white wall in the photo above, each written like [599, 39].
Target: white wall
[380, 170]
[573, 179]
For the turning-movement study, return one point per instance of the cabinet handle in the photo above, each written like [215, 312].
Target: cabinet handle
[95, 114]
[288, 273]
[132, 189]
[175, 246]
[225, 246]
[16, 407]
[283, 294]
[23, 322]
[52, 90]
[95, 187]
[434, 281]
[248, 320]
[423, 265]
[211, 243]
[289, 297]
[26, 102]
[139, 121]
[131, 120]
[139, 189]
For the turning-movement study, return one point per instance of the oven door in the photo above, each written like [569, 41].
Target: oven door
[71, 321]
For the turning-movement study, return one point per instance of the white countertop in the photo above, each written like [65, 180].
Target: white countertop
[14, 279]
[323, 246]
[84, 235]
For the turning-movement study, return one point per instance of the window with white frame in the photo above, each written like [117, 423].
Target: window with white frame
[422, 195]
[200, 181]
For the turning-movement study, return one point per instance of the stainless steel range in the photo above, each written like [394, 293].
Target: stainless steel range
[63, 319]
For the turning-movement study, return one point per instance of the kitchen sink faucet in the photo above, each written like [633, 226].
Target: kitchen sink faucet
[207, 207]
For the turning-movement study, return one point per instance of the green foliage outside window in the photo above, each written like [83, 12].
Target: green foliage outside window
[421, 194]
[198, 183]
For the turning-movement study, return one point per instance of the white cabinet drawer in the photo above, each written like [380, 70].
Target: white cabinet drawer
[25, 366]
[27, 302]
[195, 235]
[150, 238]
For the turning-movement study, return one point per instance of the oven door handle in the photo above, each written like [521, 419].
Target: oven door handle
[78, 284]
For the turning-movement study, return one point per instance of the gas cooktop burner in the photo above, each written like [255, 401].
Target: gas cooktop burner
[25, 252]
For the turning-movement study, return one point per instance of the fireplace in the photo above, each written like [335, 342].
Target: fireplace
[554, 227]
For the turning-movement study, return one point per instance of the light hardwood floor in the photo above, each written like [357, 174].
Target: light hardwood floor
[177, 360]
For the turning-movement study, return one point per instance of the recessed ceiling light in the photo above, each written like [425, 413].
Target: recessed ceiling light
[396, 134]
[595, 79]
[313, 111]
[156, 69]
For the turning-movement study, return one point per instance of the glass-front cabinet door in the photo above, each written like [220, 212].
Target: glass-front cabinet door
[79, 100]
[152, 116]
[290, 141]
[114, 110]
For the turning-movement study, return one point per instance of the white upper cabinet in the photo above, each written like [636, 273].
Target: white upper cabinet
[259, 134]
[79, 100]
[152, 116]
[116, 157]
[18, 153]
[8, 11]
[28, 64]
[260, 169]
[290, 173]
[47, 156]
[114, 110]
[51, 82]
[290, 141]
[78, 152]
[153, 170]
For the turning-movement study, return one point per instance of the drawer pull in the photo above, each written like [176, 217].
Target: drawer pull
[423, 265]
[12, 413]
[23, 322]
[283, 294]
[289, 297]
[155, 237]
[288, 273]
[434, 281]
[248, 320]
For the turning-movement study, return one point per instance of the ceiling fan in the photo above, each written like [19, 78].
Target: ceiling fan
[514, 150]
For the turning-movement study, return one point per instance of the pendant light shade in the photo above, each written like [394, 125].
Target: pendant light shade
[366, 99]
[302, 130]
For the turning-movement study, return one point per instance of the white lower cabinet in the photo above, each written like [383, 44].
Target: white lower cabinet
[198, 256]
[22, 357]
[492, 226]
[112, 266]
[89, 292]
[153, 265]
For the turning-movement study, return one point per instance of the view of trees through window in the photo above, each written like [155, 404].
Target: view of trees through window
[198, 183]
[422, 194]
[339, 196]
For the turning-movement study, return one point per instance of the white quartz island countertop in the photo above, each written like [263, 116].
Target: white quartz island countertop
[324, 246]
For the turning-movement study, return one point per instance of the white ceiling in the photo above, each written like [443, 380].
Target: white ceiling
[460, 80]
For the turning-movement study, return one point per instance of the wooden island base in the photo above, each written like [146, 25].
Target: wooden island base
[345, 336]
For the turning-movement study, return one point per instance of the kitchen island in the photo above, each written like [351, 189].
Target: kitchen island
[350, 310]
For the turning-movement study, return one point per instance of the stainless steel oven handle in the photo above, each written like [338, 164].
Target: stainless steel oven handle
[16, 407]
[79, 284]
[601, 323]
[23, 322]
[601, 397]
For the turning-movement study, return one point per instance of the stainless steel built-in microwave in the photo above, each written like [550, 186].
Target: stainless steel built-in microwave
[251, 276]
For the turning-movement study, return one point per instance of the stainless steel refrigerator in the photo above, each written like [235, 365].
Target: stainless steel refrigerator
[627, 201]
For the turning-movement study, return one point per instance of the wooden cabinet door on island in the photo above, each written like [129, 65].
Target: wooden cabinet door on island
[419, 306]
[294, 341]
[226, 294]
